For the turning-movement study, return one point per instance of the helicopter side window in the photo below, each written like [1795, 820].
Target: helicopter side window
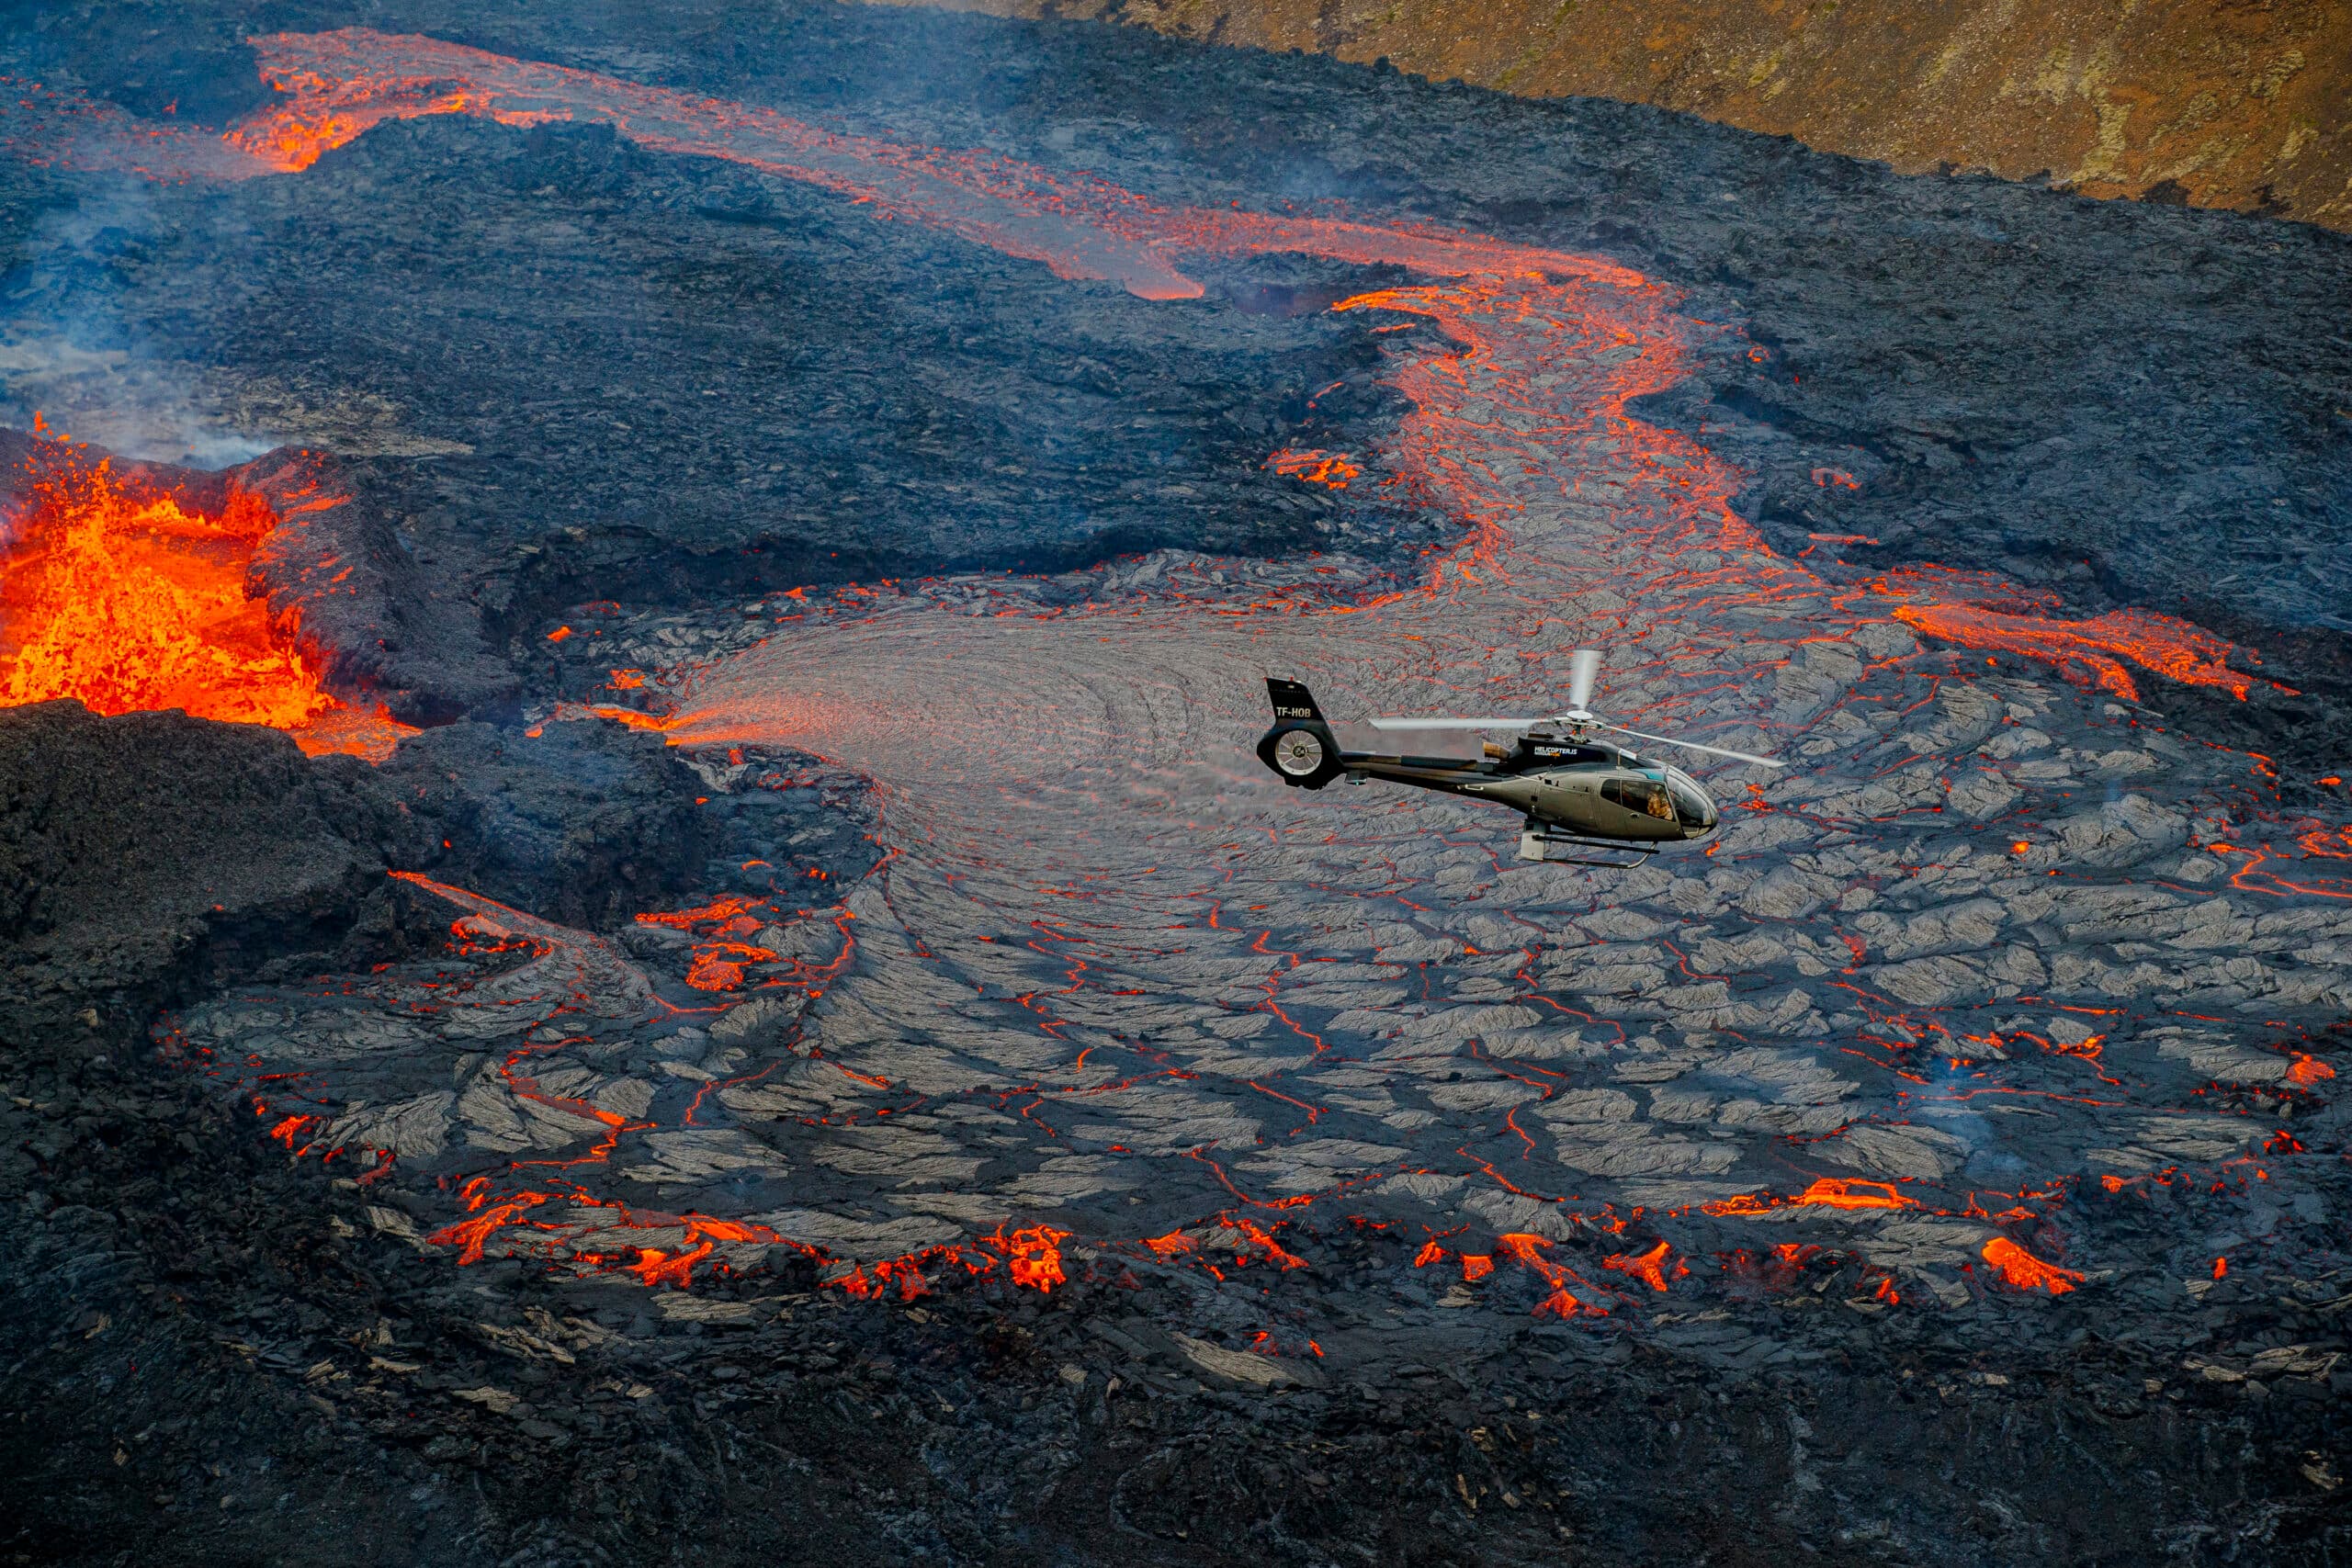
[1639, 794]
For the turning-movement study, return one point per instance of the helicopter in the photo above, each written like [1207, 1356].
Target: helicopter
[1600, 800]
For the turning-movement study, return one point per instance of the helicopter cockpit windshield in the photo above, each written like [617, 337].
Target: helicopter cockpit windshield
[1690, 802]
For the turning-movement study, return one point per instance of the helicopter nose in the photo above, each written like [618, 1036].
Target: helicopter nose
[1694, 809]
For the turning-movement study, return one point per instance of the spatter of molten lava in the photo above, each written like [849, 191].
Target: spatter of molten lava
[131, 603]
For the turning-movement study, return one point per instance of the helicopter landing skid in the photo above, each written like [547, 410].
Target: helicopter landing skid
[1535, 844]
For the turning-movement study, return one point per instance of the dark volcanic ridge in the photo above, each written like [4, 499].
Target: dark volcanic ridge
[150, 859]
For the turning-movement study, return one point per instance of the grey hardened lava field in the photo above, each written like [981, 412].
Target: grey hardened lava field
[656, 664]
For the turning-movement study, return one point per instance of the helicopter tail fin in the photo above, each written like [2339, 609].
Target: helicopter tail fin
[1292, 701]
[1300, 748]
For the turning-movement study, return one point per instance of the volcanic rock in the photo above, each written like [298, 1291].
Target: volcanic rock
[147, 857]
[149, 854]
[2178, 101]
[581, 823]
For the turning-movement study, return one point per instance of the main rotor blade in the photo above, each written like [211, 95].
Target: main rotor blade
[1395, 722]
[1693, 745]
[1581, 671]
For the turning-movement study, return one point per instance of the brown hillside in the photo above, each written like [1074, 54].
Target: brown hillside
[2242, 104]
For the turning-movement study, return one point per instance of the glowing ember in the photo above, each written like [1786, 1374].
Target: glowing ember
[877, 1279]
[1330, 469]
[1650, 1267]
[2022, 1270]
[2309, 1070]
[1175, 1244]
[656, 1267]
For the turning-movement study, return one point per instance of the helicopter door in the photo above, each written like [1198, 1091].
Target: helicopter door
[1565, 799]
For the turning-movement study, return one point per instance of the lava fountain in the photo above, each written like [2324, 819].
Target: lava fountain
[125, 599]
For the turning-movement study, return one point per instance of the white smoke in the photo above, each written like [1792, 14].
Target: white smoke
[68, 351]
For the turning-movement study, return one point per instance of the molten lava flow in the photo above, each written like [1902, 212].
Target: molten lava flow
[1650, 1267]
[49, 128]
[339, 84]
[1824, 1192]
[719, 966]
[1581, 521]
[1981, 610]
[130, 602]
[2255, 873]
[2092, 651]
[1528, 1252]
[2022, 1270]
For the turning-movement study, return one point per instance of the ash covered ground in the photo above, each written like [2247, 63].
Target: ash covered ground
[1942, 1168]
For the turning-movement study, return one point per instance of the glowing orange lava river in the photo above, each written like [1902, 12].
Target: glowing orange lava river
[1978, 953]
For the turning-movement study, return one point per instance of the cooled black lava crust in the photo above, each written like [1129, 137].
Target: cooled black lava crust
[560, 369]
